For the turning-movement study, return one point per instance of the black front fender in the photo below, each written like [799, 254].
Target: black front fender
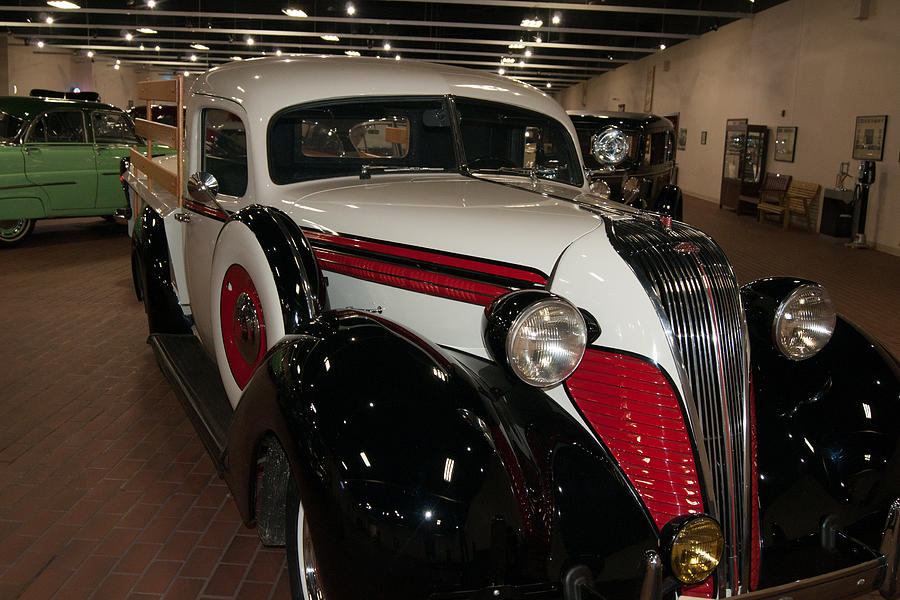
[828, 429]
[420, 478]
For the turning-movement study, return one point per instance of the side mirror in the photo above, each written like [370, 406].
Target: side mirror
[203, 188]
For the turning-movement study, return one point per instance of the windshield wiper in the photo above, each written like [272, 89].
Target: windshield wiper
[365, 171]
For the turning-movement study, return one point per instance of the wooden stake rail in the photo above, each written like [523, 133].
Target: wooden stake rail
[168, 90]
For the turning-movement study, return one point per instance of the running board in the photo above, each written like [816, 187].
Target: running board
[195, 379]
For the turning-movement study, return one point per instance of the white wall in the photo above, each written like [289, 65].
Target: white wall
[811, 59]
[28, 68]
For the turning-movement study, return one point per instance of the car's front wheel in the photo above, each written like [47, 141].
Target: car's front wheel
[301, 556]
[14, 231]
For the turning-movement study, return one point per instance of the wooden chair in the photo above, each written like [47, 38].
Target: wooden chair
[771, 193]
[797, 201]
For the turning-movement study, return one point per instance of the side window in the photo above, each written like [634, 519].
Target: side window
[112, 127]
[225, 150]
[59, 127]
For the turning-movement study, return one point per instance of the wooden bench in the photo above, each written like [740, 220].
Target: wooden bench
[772, 191]
[798, 200]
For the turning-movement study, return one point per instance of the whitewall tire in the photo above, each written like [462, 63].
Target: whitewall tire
[245, 308]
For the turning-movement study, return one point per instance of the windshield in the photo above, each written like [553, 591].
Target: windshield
[365, 137]
[505, 139]
[348, 138]
[9, 126]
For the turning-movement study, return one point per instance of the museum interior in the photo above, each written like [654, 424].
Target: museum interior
[783, 141]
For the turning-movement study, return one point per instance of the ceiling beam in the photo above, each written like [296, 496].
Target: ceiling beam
[257, 33]
[537, 5]
[143, 14]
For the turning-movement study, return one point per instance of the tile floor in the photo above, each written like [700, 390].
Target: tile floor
[105, 491]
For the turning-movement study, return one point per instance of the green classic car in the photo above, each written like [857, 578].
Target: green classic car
[59, 158]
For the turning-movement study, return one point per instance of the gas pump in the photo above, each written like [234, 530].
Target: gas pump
[865, 178]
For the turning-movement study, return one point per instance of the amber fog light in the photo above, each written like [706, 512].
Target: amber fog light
[695, 548]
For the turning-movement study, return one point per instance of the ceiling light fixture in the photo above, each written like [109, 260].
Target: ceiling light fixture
[142, 46]
[521, 63]
[187, 73]
[528, 52]
[501, 71]
[40, 44]
[128, 36]
[118, 61]
[330, 38]
[351, 53]
[387, 46]
[116, 67]
[294, 12]
[549, 85]
[277, 52]
[351, 10]
[193, 58]
[90, 54]
[147, 30]
[250, 41]
[199, 47]
[662, 46]
[534, 23]
[63, 4]
[157, 48]
[151, 3]
[556, 19]
[538, 39]
[49, 20]
[396, 57]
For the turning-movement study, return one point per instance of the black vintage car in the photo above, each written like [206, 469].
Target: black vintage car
[630, 158]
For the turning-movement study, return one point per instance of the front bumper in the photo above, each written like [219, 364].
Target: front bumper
[881, 574]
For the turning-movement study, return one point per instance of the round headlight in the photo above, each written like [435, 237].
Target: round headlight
[546, 342]
[610, 146]
[696, 549]
[804, 322]
[631, 193]
[600, 188]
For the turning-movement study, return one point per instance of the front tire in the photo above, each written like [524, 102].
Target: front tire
[301, 557]
[14, 231]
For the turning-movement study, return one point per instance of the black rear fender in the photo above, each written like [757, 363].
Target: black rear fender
[152, 275]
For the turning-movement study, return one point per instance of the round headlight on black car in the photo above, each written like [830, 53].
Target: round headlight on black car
[541, 337]
[804, 322]
[610, 146]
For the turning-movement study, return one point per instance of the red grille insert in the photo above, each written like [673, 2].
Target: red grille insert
[634, 410]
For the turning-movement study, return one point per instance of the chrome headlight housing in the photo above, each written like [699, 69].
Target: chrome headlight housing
[539, 336]
[804, 322]
[600, 188]
[610, 146]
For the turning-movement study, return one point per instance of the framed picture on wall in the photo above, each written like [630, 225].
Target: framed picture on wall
[682, 139]
[785, 142]
[868, 140]
[702, 138]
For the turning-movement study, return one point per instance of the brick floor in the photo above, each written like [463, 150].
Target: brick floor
[105, 490]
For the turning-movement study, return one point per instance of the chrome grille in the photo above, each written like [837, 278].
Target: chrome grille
[698, 298]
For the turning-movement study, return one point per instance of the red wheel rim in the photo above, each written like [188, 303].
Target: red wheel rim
[243, 326]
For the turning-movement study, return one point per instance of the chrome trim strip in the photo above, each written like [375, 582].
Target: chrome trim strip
[31, 185]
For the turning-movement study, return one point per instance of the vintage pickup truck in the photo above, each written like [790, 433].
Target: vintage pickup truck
[432, 364]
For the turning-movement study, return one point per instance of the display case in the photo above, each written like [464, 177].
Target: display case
[744, 162]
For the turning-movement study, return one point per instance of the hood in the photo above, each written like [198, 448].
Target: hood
[445, 212]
